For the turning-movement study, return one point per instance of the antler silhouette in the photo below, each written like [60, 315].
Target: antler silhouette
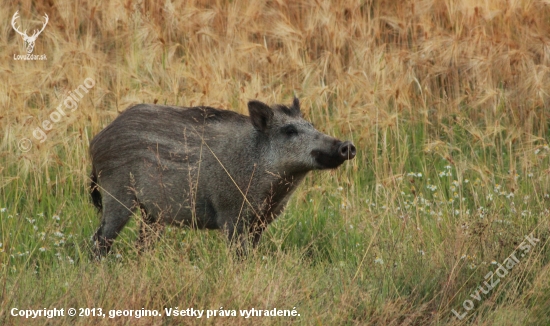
[29, 39]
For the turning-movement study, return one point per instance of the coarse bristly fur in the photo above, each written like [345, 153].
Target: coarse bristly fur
[205, 167]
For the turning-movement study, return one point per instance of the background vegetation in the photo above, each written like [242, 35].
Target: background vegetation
[446, 100]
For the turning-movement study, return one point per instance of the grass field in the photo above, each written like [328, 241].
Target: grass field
[448, 103]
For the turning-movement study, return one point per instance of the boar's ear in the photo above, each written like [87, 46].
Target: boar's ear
[295, 108]
[260, 114]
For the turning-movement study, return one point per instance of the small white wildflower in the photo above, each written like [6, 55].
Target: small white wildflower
[489, 197]
[421, 252]
[537, 151]
[494, 262]
[466, 181]
[58, 234]
[41, 249]
[457, 212]
[118, 256]
[419, 175]
[56, 217]
[340, 188]
[40, 214]
[379, 260]
[530, 174]
[3, 209]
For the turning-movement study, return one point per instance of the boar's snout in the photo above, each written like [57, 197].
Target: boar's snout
[334, 156]
[347, 150]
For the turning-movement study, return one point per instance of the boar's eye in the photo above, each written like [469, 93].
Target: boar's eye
[290, 130]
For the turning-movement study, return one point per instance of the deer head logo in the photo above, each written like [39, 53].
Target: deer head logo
[29, 40]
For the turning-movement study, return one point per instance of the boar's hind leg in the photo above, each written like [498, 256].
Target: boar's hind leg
[116, 213]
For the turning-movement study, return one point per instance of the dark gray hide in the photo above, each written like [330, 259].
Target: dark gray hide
[204, 168]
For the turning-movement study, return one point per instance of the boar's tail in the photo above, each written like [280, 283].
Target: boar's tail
[94, 191]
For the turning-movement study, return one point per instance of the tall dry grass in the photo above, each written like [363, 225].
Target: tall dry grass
[417, 85]
[369, 62]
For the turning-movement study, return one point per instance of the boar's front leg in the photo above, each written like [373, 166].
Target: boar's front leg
[235, 231]
[150, 230]
[256, 231]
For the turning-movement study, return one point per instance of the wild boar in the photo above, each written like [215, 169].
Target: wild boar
[204, 168]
